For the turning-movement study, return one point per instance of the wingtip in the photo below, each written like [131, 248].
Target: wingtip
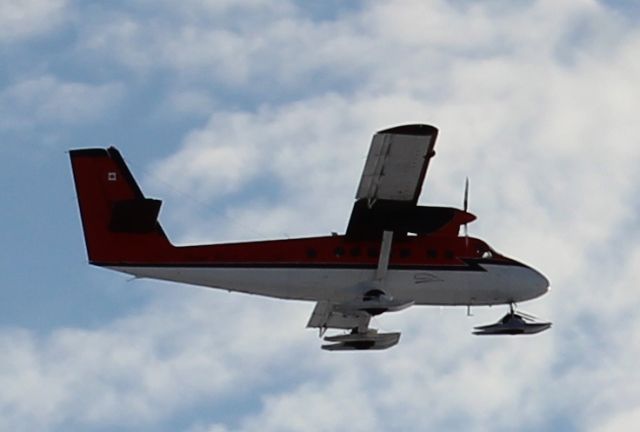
[411, 129]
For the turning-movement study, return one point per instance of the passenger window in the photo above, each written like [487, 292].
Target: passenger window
[449, 254]
[355, 251]
[339, 251]
[405, 253]
[431, 253]
[312, 253]
[372, 252]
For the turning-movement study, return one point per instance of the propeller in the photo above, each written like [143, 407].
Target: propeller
[465, 206]
[466, 194]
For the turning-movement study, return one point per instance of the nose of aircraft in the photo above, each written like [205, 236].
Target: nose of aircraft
[538, 284]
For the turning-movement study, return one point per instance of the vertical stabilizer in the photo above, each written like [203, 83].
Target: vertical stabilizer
[120, 225]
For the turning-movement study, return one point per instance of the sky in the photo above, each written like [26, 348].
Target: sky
[251, 119]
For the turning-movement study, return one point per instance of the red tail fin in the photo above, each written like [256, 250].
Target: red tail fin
[120, 224]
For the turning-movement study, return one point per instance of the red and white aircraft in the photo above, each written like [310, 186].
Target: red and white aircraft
[394, 253]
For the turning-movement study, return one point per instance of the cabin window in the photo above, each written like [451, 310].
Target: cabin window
[432, 253]
[487, 255]
[355, 251]
[405, 252]
[449, 254]
[372, 252]
[312, 253]
[339, 251]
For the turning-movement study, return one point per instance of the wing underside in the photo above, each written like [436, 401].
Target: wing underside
[391, 183]
[397, 164]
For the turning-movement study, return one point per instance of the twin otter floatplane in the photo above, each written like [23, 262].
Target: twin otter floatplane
[394, 254]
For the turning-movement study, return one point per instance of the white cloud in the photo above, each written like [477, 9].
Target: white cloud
[323, 407]
[47, 100]
[22, 19]
[388, 46]
[623, 421]
[206, 39]
[189, 102]
[143, 368]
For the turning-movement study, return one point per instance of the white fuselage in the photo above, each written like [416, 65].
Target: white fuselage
[497, 284]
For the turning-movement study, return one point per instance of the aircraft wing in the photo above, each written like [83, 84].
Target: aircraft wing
[330, 315]
[393, 175]
[397, 164]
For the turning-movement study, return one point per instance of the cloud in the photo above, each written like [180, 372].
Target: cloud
[622, 421]
[189, 102]
[318, 408]
[47, 100]
[142, 368]
[23, 19]
[204, 39]
[362, 49]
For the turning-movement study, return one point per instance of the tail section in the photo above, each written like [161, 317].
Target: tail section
[120, 225]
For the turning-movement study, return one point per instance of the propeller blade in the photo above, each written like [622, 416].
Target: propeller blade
[465, 205]
[466, 194]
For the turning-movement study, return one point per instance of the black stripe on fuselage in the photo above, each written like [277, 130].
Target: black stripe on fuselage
[471, 265]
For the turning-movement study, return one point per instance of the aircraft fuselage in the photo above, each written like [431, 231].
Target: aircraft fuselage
[426, 269]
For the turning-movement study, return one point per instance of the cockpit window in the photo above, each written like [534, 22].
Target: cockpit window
[484, 251]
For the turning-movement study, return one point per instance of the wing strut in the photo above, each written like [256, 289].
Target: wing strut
[385, 253]
[355, 313]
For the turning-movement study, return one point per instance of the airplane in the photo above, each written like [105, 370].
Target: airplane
[393, 255]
